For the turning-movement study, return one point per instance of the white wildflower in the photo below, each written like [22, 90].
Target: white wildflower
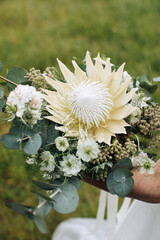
[87, 150]
[47, 176]
[135, 116]
[71, 165]
[31, 159]
[144, 162]
[48, 162]
[61, 143]
[140, 100]
[25, 102]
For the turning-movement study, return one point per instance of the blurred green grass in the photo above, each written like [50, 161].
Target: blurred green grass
[33, 34]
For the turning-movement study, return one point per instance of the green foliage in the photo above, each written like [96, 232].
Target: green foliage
[75, 181]
[16, 75]
[125, 162]
[120, 181]
[44, 186]
[2, 99]
[19, 208]
[52, 134]
[39, 221]
[33, 144]
[67, 199]
[10, 141]
[144, 83]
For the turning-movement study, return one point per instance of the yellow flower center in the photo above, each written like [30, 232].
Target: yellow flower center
[90, 103]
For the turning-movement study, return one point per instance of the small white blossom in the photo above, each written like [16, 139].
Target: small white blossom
[135, 116]
[144, 162]
[31, 159]
[47, 176]
[140, 100]
[61, 144]
[71, 165]
[48, 162]
[25, 102]
[87, 150]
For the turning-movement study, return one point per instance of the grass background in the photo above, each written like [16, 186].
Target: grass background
[35, 33]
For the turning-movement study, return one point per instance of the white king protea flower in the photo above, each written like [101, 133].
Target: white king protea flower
[90, 104]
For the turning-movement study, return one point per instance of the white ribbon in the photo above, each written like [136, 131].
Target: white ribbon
[112, 207]
[101, 209]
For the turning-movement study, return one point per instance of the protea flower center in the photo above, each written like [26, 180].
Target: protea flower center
[90, 103]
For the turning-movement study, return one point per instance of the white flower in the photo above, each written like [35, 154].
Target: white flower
[94, 102]
[61, 144]
[144, 162]
[48, 162]
[87, 150]
[135, 116]
[71, 165]
[25, 103]
[31, 159]
[140, 100]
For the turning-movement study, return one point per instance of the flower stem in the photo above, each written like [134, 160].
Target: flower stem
[51, 196]
[7, 80]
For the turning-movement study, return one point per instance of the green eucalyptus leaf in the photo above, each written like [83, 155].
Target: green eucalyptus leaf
[46, 207]
[120, 174]
[2, 104]
[75, 181]
[1, 92]
[82, 67]
[16, 75]
[67, 199]
[110, 183]
[151, 88]
[125, 162]
[39, 221]
[123, 188]
[19, 208]
[10, 141]
[52, 133]
[33, 144]
[1, 66]
[42, 195]
[44, 186]
[22, 131]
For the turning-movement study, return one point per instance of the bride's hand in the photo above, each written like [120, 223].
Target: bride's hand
[146, 186]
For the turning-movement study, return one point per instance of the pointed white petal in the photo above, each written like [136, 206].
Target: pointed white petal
[79, 74]
[89, 65]
[115, 84]
[68, 75]
[125, 98]
[117, 126]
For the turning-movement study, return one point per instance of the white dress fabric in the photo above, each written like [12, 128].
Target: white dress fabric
[136, 221]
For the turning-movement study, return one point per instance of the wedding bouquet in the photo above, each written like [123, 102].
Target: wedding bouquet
[97, 121]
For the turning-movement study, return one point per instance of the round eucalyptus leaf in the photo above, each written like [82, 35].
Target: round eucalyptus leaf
[122, 189]
[33, 144]
[39, 221]
[1, 92]
[120, 174]
[66, 201]
[45, 208]
[16, 75]
[125, 162]
[10, 141]
[22, 131]
[75, 181]
[110, 183]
